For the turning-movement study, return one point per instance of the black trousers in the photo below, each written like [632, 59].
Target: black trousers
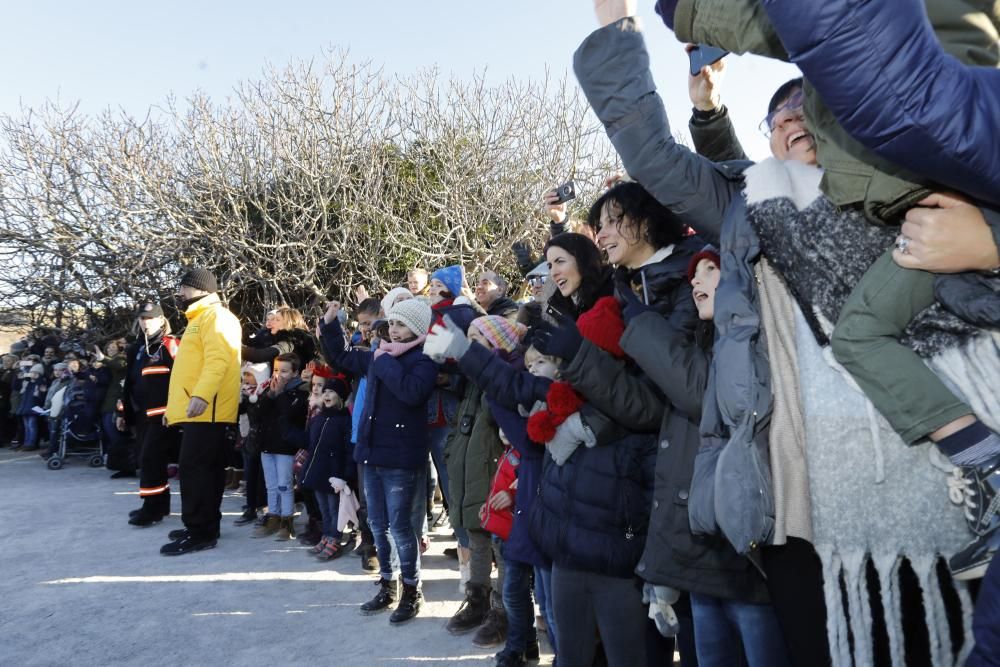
[795, 582]
[203, 476]
[367, 539]
[157, 441]
[254, 476]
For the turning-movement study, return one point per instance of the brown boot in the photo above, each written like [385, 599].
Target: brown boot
[269, 527]
[286, 528]
[234, 479]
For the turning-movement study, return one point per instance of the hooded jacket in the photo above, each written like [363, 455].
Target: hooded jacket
[284, 419]
[207, 364]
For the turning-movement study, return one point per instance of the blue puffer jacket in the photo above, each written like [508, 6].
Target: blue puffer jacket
[329, 450]
[882, 72]
[393, 431]
[506, 388]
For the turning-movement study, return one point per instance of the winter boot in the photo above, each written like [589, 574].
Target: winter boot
[313, 532]
[234, 482]
[409, 604]
[249, 516]
[473, 611]
[268, 528]
[387, 595]
[369, 560]
[286, 529]
[144, 519]
[509, 658]
[493, 631]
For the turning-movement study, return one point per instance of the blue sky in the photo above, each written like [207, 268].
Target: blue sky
[133, 54]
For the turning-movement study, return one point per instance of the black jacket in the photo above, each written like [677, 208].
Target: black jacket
[297, 341]
[284, 419]
[330, 451]
[147, 378]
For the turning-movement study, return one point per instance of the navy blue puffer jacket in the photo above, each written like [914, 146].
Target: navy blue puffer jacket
[882, 72]
[592, 512]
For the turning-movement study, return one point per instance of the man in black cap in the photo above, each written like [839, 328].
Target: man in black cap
[203, 399]
[144, 402]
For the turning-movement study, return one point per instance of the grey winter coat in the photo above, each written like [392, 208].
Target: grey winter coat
[612, 66]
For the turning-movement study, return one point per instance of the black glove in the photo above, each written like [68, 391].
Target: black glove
[522, 251]
[561, 340]
[631, 305]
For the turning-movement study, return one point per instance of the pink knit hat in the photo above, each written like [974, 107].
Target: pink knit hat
[500, 332]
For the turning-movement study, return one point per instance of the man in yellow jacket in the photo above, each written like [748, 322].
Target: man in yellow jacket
[203, 400]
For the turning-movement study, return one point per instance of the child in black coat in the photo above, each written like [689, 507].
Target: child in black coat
[331, 463]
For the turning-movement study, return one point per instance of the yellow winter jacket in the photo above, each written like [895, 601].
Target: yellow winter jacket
[207, 364]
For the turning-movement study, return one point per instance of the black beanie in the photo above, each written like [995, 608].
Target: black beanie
[338, 385]
[202, 279]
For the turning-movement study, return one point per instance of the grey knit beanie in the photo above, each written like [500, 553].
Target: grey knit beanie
[414, 313]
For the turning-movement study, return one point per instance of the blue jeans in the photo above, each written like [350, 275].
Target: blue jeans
[438, 437]
[986, 620]
[543, 595]
[517, 604]
[278, 478]
[30, 430]
[390, 493]
[329, 507]
[727, 630]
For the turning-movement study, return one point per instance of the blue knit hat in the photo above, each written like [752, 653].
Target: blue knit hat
[453, 278]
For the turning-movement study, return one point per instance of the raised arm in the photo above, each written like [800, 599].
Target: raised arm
[612, 66]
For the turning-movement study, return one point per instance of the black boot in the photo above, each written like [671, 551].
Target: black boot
[387, 595]
[249, 516]
[409, 604]
[473, 611]
[313, 532]
[493, 631]
[369, 561]
[145, 518]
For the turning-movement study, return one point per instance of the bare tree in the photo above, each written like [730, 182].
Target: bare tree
[311, 180]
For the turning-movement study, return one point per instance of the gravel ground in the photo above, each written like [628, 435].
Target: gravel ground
[80, 586]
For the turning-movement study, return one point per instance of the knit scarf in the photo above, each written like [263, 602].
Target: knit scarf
[822, 252]
[399, 349]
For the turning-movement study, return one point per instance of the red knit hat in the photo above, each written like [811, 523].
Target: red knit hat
[709, 253]
[603, 325]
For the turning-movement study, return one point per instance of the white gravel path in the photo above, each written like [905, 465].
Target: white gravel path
[79, 586]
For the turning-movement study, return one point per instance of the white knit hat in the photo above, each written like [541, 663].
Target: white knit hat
[391, 297]
[414, 313]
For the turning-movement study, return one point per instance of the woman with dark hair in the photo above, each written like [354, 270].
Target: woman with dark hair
[592, 511]
[648, 245]
[578, 272]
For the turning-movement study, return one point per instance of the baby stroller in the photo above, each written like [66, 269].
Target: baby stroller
[79, 433]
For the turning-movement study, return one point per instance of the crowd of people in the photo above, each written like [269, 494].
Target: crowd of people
[638, 445]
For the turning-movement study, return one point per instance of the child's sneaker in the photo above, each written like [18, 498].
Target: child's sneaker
[319, 546]
[972, 561]
[330, 551]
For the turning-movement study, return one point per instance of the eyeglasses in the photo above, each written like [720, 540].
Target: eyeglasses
[537, 281]
[792, 105]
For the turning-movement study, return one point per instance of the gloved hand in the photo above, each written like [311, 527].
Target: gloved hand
[338, 484]
[661, 600]
[522, 251]
[446, 342]
[632, 305]
[569, 435]
[562, 340]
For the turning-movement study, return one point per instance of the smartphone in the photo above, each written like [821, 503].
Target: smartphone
[565, 192]
[704, 55]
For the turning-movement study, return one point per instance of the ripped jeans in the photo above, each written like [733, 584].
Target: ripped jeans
[390, 493]
[278, 478]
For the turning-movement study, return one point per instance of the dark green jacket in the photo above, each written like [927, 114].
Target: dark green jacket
[471, 454]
